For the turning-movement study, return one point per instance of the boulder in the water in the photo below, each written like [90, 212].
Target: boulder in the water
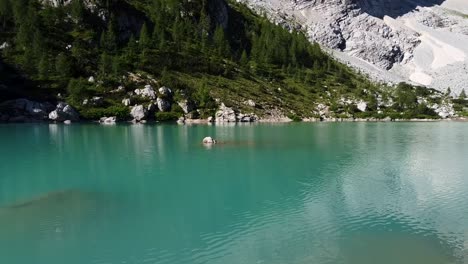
[209, 141]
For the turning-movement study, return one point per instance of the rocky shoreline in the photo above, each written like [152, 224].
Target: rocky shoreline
[27, 111]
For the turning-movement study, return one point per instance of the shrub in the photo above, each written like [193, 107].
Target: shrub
[121, 112]
[167, 116]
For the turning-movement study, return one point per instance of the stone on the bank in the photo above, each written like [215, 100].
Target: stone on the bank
[138, 112]
[225, 114]
[181, 120]
[29, 110]
[108, 120]
[164, 105]
[63, 112]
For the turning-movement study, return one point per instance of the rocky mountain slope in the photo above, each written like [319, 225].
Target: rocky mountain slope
[425, 42]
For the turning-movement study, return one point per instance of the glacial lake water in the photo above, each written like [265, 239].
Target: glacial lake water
[357, 193]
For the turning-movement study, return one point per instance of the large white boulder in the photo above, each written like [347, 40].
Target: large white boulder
[138, 112]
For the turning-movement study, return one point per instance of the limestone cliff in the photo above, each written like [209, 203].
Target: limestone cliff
[425, 42]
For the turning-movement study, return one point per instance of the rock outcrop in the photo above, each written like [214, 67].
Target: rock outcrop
[21, 110]
[225, 114]
[64, 112]
[229, 115]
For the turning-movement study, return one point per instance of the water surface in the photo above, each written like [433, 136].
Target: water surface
[297, 193]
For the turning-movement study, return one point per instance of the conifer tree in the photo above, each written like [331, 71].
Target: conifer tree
[77, 11]
[63, 65]
[43, 67]
[145, 40]
[5, 11]
[220, 42]
[244, 60]
[462, 94]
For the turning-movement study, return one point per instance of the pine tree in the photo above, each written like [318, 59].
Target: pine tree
[462, 95]
[5, 11]
[43, 67]
[63, 65]
[220, 42]
[145, 40]
[77, 11]
[244, 60]
[204, 25]
[38, 45]
[105, 64]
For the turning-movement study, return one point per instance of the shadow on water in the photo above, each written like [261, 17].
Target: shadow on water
[392, 8]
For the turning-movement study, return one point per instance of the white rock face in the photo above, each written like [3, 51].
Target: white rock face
[407, 40]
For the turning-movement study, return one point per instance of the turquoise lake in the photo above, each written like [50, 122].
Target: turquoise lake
[357, 193]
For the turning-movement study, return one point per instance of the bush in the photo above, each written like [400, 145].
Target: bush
[167, 116]
[121, 112]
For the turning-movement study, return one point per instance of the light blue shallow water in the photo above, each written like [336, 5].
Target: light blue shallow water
[297, 193]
